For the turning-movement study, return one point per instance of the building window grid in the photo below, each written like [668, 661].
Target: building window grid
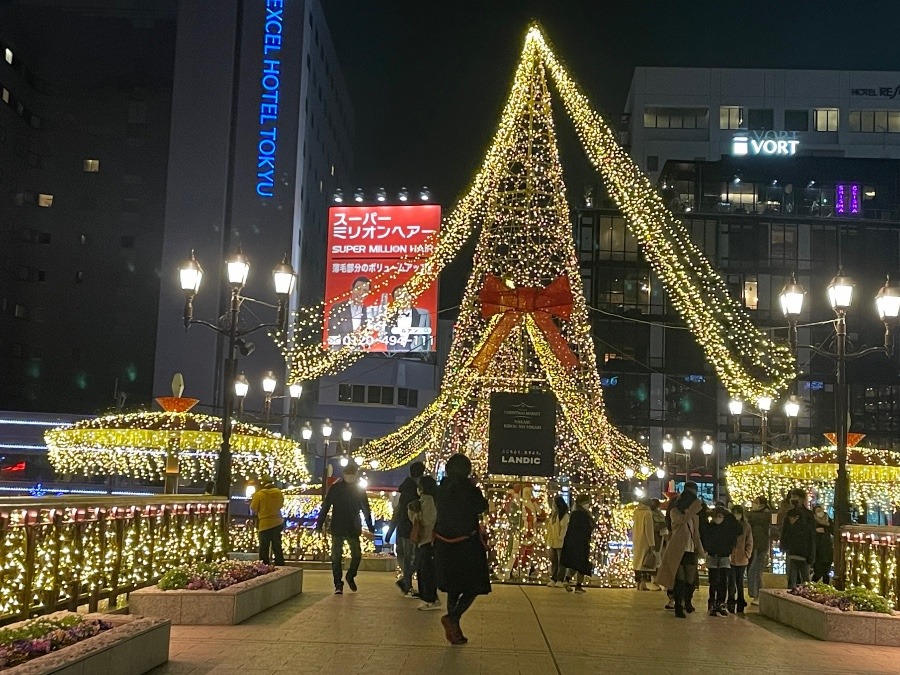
[378, 395]
[826, 119]
[731, 117]
[675, 118]
[874, 121]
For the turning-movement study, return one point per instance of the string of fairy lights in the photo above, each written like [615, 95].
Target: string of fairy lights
[99, 547]
[525, 240]
[874, 476]
[137, 445]
[748, 363]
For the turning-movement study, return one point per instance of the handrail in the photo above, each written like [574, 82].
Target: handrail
[91, 501]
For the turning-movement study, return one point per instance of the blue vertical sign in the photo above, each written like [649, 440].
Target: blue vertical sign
[270, 81]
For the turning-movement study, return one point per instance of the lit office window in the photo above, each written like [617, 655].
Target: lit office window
[826, 119]
[45, 200]
[5, 95]
[731, 117]
[9, 56]
[874, 121]
[751, 297]
[91, 165]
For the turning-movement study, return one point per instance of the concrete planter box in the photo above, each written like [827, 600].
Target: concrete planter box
[828, 623]
[227, 607]
[135, 645]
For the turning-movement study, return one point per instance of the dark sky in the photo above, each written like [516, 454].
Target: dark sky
[428, 78]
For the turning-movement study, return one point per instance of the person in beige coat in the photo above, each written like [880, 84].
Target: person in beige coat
[643, 541]
[740, 558]
[678, 571]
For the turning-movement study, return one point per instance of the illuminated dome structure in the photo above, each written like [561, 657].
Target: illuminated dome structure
[138, 445]
[874, 475]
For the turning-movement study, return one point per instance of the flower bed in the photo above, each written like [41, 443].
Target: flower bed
[851, 600]
[41, 636]
[229, 605]
[213, 576]
[827, 621]
[66, 643]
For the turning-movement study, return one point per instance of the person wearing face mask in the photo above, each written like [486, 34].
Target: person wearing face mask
[760, 519]
[740, 558]
[678, 571]
[719, 532]
[424, 512]
[346, 500]
[824, 546]
[798, 539]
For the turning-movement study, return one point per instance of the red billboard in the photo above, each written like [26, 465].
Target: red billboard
[367, 245]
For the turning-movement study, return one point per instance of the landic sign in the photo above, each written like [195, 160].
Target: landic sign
[767, 143]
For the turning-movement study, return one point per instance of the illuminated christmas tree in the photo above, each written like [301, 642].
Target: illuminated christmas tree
[517, 200]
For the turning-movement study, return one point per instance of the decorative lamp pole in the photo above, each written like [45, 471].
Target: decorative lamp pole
[237, 270]
[764, 403]
[792, 411]
[241, 388]
[326, 434]
[268, 384]
[707, 447]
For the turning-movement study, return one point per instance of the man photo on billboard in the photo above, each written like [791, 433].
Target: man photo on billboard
[347, 317]
[410, 331]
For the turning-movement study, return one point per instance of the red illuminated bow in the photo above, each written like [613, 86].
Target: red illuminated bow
[515, 303]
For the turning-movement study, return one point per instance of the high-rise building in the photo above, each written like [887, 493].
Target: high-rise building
[772, 173]
[84, 121]
[261, 137]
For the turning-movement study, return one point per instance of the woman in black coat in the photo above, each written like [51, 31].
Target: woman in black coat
[824, 546]
[576, 552]
[459, 555]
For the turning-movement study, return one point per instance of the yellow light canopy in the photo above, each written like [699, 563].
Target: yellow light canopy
[137, 445]
[874, 476]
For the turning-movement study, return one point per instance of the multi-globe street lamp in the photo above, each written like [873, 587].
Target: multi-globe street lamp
[237, 270]
[840, 297]
[707, 447]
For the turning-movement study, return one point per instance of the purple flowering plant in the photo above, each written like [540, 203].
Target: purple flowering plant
[212, 576]
[43, 635]
[851, 600]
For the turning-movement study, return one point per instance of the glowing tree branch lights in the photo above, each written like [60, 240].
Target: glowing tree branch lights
[748, 363]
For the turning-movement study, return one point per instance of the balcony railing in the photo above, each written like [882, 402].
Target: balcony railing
[59, 553]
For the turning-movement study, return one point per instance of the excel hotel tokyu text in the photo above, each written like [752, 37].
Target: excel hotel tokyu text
[367, 242]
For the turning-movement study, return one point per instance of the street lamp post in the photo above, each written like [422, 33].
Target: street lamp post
[708, 447]
[840, 297]
[237, 269]
[241, 388]
[764, 403]
[326, 434]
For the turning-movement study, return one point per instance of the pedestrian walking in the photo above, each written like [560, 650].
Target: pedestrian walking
[643, 541]
[423, 515]
[719, 531]
[760, 519]
[660, 532]
[400, 523]
[678, 571]
[266, 503]
[555, 534]
[576, 552]
[798, 539]
[346, 499]
[740, 559]
[460, 555]
[824, 545]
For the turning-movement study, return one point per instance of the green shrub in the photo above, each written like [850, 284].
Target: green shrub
[864, 600]
[174, 579]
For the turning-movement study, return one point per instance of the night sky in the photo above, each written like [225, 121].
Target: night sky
[428, 79]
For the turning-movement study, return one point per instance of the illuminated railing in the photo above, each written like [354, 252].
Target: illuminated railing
[872, 558]
[59, 553]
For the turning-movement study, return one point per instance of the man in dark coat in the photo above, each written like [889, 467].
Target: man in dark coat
[576, 552]
[347, 500]
[459, 554]
[798, 539]
[406, 549]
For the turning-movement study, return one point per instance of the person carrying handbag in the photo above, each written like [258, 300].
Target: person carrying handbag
[423, 515]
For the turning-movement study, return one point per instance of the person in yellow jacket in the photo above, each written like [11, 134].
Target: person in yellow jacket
[266, 504]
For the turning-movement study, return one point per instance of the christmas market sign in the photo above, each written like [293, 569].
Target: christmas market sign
[522, 434]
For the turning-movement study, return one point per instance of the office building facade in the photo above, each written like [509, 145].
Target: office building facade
[771, 172]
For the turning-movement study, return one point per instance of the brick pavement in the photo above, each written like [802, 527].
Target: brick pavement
[516, 629]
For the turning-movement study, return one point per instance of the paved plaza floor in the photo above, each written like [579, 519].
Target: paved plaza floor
[516, 629]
